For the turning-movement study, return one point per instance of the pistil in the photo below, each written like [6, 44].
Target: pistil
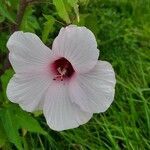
[62, 69]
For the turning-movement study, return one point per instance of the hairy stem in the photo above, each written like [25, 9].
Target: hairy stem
[22, 7]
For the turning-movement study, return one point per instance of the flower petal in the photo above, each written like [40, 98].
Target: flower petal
[27, 52]
[94, 91]
[78, 45]
[60, 112]
[28, 90]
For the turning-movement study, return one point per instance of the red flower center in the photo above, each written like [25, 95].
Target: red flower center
[62, 69]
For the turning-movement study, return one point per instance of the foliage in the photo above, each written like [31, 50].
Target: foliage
[122, 31]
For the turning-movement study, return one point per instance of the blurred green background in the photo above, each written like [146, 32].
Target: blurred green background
[122, 30]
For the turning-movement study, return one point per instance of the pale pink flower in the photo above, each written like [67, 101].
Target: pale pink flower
[68, 82]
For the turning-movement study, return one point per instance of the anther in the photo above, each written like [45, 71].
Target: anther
[62, 69]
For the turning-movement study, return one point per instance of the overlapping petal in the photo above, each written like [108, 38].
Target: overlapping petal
[28, 90]
[94, 91]
[27, 52]
[78, 45]
[60, 112]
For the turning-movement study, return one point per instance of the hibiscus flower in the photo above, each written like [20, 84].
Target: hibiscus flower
[68, 83]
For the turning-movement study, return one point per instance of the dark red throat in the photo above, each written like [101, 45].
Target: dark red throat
[62, 69]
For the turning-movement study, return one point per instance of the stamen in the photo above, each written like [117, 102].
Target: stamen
[57, 77]
[62, 69]
[61, 74]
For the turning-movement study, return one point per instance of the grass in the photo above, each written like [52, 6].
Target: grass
[123, 36]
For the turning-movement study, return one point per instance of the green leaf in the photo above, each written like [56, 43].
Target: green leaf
[26, 121]
[91, 23]
[3, 41]
[2, 18]
[48, 27]
[3, 136]
[29, 22]
[84, 2]
[13, 3]
[5, 79]
[75, 6]
[10, 126]
[4, 12]
[61, 9]
[13, 119]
